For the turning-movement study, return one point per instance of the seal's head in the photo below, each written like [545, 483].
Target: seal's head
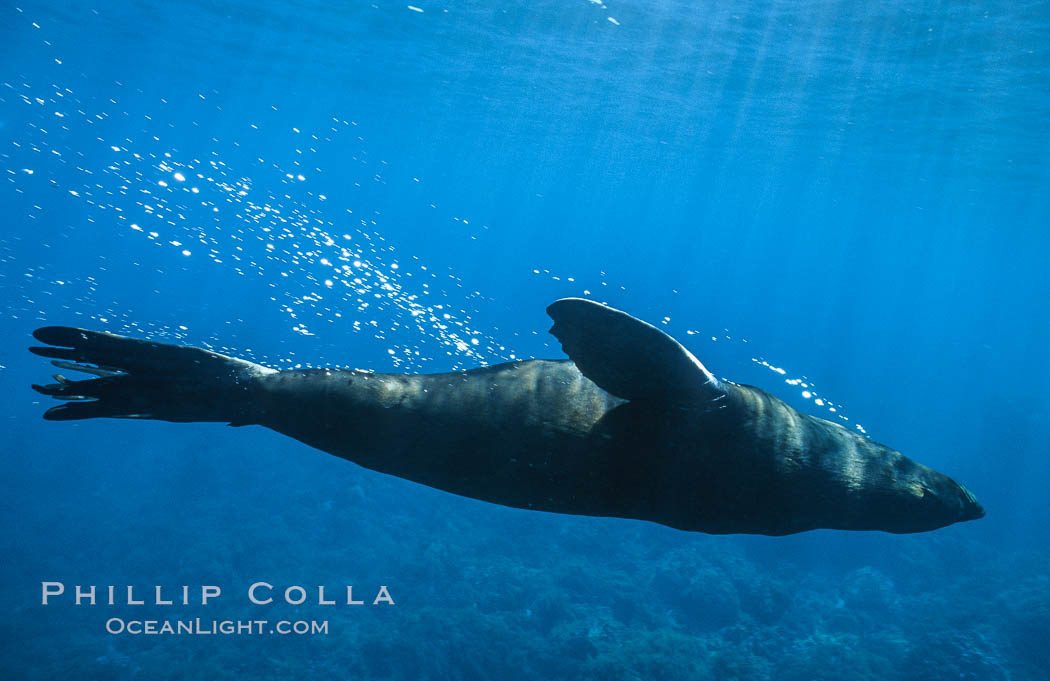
[941, 501]
[923, 499]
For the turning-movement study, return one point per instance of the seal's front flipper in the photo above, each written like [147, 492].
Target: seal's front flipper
[145, 380]
[630, 358]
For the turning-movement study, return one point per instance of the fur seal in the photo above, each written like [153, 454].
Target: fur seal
[631, 426]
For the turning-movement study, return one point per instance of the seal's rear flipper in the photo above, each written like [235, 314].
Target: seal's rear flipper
[145, 380]
[630, 358]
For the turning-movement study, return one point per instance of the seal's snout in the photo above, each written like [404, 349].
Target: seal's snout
[945, 502]
[972, 509]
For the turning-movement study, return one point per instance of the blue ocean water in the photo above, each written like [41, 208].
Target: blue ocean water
[842, 203]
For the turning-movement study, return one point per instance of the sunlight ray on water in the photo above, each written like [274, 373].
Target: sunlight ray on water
[330, 262]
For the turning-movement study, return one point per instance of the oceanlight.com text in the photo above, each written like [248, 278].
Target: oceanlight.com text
[201, 627]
